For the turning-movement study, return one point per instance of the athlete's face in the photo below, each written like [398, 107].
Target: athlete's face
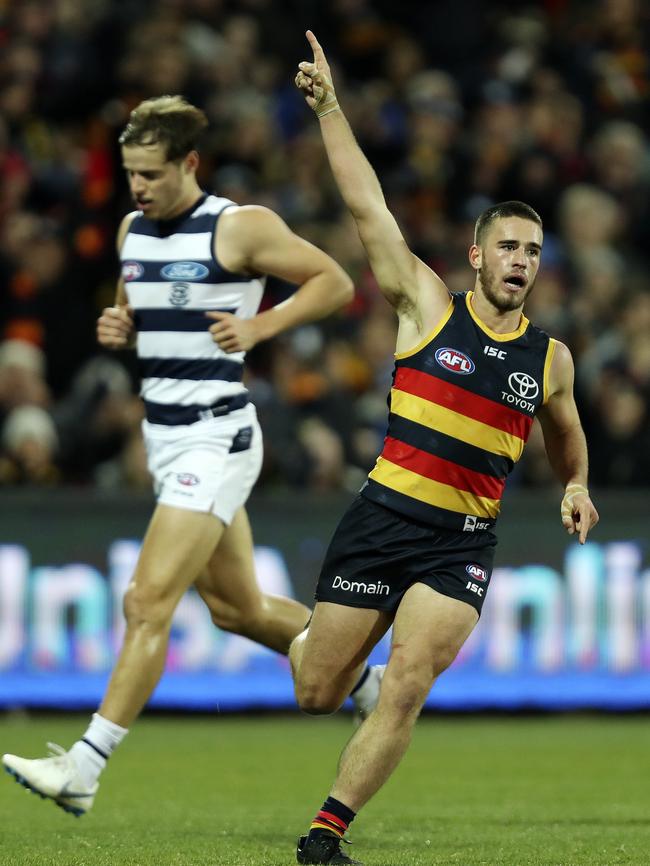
[507, 262]
[159, 187]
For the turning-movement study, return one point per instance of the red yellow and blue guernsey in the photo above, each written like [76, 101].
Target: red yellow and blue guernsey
[461, 409]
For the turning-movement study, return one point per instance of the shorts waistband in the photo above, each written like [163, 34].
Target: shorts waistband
[175, 415]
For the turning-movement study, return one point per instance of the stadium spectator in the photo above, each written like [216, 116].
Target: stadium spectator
[541, 103]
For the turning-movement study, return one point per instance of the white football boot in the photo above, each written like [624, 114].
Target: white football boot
[56, 777]
[365, 699]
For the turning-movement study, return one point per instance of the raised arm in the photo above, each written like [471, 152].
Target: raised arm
[115, 325]
[409, 285]
[254, 240]
[566, 445]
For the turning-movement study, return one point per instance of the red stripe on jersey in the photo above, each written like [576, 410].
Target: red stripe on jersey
[463, 402]
[444, 471]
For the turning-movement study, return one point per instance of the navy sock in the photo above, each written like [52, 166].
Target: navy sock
[334, 817]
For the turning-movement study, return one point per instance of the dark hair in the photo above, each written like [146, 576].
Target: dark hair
[501, 210]
[168, 120]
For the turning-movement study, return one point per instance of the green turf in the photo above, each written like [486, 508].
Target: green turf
[237, 791]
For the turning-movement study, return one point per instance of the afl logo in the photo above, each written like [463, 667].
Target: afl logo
[184, 271]
[455, 361]
[476, 572]
[523, 385]
[179, 294]
[187, 479]
[131, 271]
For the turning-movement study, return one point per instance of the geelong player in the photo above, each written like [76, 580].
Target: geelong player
[415, 549]
[193, 269]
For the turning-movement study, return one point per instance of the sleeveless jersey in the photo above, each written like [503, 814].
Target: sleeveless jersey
[461, 409]
[171, 279]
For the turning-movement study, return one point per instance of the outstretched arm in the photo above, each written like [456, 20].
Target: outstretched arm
[254, 240]
[566, 446]
[408, 284]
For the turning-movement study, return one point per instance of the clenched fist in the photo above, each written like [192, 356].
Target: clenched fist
[115, 327]
[231, 333]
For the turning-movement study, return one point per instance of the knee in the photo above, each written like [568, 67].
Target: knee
[144, 606]
[316, 699]
[403, 693]
[404, 699]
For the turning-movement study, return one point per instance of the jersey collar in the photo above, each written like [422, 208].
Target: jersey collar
[500, 338]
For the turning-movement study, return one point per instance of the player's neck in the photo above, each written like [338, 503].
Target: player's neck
[187, 201]
[501, 322]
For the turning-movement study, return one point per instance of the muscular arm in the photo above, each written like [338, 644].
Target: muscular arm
[409, 285]
[254, 240]
[566, 445]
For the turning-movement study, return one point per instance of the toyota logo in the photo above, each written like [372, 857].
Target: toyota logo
[523, 385]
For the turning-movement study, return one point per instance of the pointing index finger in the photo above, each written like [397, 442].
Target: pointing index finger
[319, 54]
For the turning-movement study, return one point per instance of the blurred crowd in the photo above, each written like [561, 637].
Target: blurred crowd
[457, 103]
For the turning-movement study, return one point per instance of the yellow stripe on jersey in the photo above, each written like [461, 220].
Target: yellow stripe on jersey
[432, 492]
[454, 424]
[550, 351]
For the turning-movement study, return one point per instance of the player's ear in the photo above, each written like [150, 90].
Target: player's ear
[191, 162]
[475, 257]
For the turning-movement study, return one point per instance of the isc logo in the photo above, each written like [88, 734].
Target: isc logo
[493, 352]
[455, 361]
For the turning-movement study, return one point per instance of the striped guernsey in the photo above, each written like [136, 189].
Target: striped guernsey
[171, 279]
[461, 409]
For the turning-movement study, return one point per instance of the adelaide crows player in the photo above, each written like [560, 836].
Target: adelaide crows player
[415, 549]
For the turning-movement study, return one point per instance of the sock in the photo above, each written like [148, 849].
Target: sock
[334, 817]
[362, 679]
[95, 747]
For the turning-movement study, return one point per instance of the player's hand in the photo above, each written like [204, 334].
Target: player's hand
[314, 79]
[231, 333]
[578, 511]
[115, 327]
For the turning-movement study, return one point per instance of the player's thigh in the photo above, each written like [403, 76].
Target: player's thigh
[428, 631]
[177, 547]
[229, 577]
[338, 640]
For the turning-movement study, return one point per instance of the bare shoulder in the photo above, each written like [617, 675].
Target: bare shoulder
[243, 231]
[125, 225]
[562, 370]
[254, 217]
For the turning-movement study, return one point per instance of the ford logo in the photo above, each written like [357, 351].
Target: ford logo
[184, 271]
[455, 361]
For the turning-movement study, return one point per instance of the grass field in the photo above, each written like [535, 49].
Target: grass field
[237, 791]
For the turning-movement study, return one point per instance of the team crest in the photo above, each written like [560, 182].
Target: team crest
[179, 294]
[131, 271]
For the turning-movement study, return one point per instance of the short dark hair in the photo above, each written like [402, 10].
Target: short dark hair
[501, 210]
[168, 120]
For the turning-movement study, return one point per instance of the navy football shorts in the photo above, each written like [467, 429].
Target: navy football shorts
[376, 554]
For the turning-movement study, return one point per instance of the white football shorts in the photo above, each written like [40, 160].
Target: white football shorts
[211, 465]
